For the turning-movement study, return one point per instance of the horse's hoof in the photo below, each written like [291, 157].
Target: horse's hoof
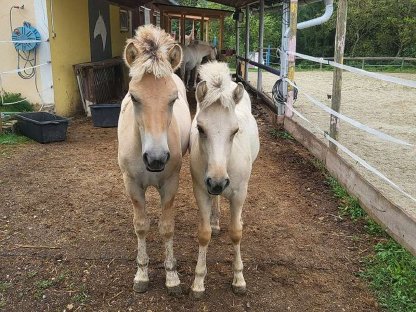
[239, 290]
[141, 286]
[215, 231]
[196, 295]
[175, 291]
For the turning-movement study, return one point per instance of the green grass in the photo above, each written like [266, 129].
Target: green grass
[391, 270]
[391, 273]
[24, 106]
[4, 286]
[82, 296]
[282, 134]
[12, 138]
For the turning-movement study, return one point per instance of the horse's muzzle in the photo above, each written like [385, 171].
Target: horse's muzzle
[216, 186]
[155, 163]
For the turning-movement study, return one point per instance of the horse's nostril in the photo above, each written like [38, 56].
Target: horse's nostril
[209, 182]
[227, 182]
[167, 156]
[146, 158]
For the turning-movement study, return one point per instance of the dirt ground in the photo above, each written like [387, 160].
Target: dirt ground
[67, 239]
[384, 106]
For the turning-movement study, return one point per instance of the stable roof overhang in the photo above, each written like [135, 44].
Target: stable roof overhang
[178, 10]
[230, 3]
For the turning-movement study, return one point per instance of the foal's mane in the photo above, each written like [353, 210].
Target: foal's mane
[218, 80]
[153, 45]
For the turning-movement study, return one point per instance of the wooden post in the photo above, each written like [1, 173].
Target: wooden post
[260, 60]
[221, 34]
[202, 28]
[291, 56]
[183, 33]
[207, 31]
[337, 78]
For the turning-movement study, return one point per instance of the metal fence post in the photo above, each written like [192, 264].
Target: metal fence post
[291, 57]
[260, 60]
[247, 47]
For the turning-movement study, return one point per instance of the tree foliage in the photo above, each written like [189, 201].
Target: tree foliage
[374, 28]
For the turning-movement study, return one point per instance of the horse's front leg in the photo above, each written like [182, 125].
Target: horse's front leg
[236, 232]
[141, 227]
[204, 202]
[215, 215]
[166, 229]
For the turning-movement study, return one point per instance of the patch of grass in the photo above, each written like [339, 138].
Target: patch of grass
[82, 296]
[282, 134]
[23, 106]
[4, 286]
[391, 273]
[2, 303]
[349, 205]
[12, 138]
[32, 274]
[44, 284]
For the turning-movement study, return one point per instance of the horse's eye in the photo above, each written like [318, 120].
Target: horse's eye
[200, 130]
[133, 98]
[172, 102]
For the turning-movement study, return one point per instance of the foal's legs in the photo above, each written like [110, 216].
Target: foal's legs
[204, 235]
[215, 215]
[141, 227]
[166, 229]
[236, 231]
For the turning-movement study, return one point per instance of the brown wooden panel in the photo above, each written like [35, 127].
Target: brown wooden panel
[400, 224]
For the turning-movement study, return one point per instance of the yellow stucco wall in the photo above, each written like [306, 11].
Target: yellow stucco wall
[118, 38]
[71, 45]
[8, 59]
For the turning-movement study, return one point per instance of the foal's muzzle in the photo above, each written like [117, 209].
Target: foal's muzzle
[216, 186]
[155, 162]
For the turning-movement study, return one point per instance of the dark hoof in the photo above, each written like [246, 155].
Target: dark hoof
[239, 290]
[141, 286]
[196, 295]
[175, 291]
[215, 231]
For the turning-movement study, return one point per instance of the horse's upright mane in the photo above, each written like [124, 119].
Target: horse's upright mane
[153, 45]
[218, 79]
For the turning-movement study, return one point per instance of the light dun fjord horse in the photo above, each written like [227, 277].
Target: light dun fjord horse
[192, 58]
[153, 135]
[224, 143]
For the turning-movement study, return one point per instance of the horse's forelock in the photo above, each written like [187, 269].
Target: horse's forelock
[153, 45]
[218, 80]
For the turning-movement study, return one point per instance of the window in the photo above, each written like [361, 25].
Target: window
[124, 20]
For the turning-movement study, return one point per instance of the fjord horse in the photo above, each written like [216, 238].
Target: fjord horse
[223, 145]
[153, 135]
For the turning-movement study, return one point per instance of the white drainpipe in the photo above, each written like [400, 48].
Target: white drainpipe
[329, 9]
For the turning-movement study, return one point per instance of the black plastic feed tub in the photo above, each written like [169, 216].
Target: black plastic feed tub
[105, 115]
[42, 127]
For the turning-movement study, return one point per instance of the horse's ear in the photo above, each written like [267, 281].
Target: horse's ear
[175, 56]
[201, 91]
[238, 93]
[130, 53]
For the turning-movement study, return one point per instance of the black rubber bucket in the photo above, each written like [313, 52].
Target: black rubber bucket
[105, 115]
[42, 127]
